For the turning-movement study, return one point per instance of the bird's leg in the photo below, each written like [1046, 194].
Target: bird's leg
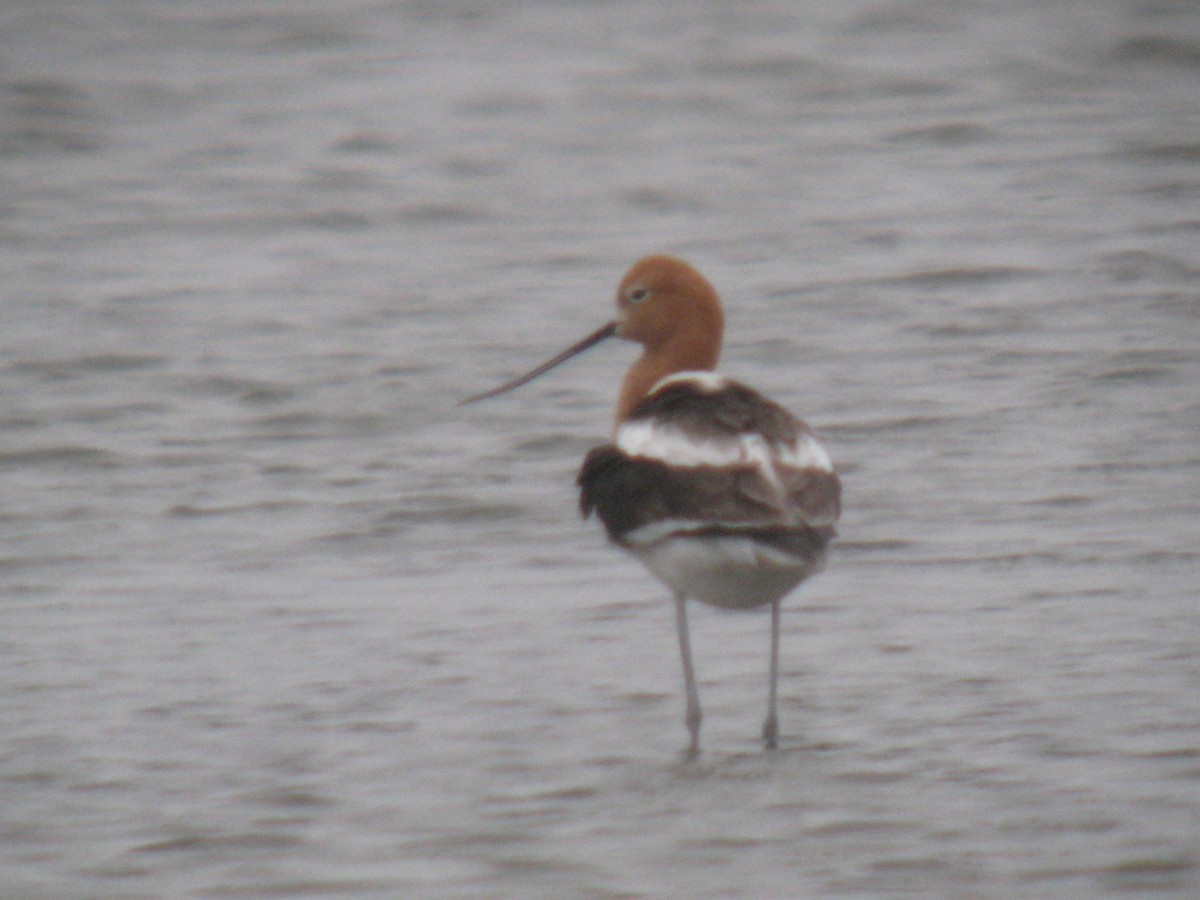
[771, 726]
[694, 715]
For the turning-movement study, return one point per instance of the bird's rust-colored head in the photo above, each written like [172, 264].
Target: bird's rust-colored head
[664, 300]
[671, 310]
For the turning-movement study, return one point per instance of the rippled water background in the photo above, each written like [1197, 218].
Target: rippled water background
[279, 620]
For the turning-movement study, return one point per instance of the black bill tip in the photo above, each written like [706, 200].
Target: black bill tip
[588, 342]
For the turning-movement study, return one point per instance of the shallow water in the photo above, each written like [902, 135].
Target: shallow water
[278, 619]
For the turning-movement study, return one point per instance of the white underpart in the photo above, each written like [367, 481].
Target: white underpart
[729, 571]
[654, 532]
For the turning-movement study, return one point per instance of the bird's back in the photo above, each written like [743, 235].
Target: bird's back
[721, 492]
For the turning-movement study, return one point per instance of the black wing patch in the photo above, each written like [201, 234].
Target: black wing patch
[732, 409]
[793, 509]
[629, 492]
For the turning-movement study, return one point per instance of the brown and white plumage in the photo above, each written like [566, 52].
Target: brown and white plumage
[716, 489]
[720, 492]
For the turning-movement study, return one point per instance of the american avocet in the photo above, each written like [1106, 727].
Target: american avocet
[721, 493]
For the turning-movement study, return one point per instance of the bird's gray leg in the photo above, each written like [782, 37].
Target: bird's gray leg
[771, 726]
[694, 715]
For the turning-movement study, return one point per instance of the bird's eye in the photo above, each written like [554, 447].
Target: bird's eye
[637, 296]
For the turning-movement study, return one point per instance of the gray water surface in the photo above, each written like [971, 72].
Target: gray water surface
[279, 620]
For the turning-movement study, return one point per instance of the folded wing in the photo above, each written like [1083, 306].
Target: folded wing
[707, 456]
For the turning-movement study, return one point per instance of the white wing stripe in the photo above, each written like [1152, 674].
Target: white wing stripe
[806, 453]
[654, 532]
[706, 382]
[649, 439]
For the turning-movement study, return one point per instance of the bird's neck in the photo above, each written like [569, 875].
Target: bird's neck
[686, 353]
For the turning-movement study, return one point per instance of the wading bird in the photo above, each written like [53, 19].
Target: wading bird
[721, 493]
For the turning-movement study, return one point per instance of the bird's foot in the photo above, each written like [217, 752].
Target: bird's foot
[692, 719]
[770, 733]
